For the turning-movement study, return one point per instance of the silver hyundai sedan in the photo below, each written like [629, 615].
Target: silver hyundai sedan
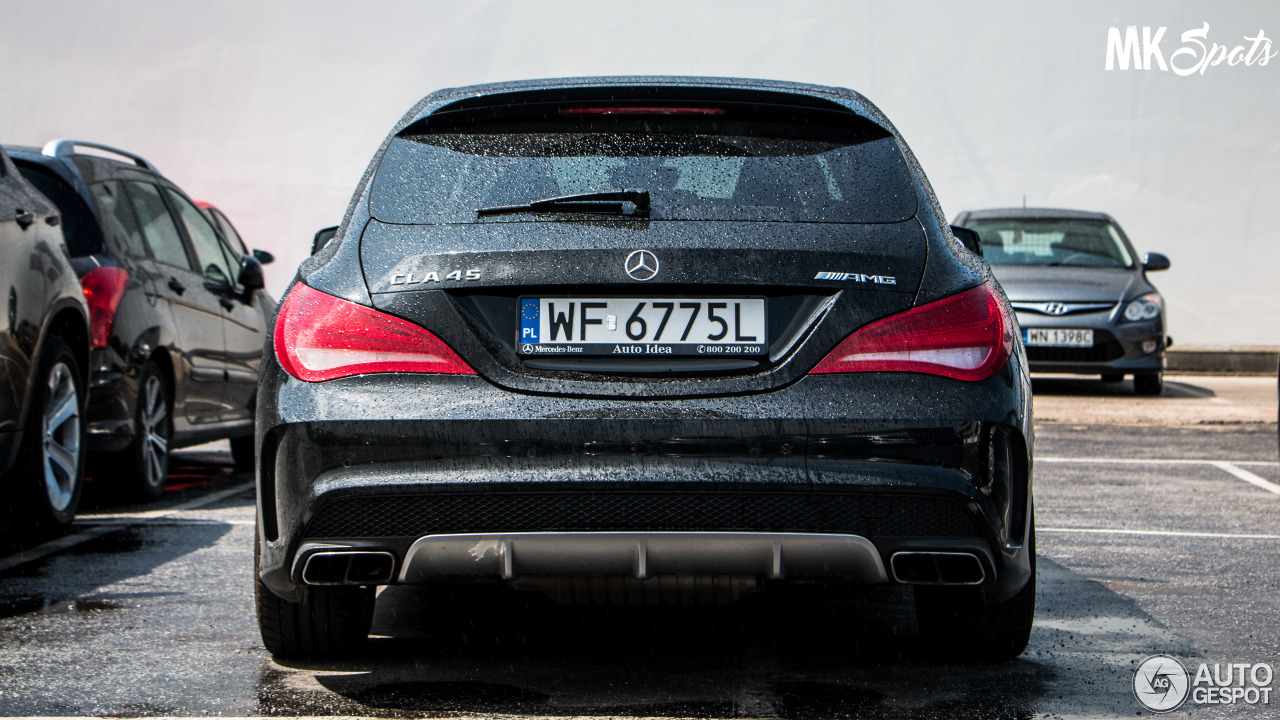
[1082, 296]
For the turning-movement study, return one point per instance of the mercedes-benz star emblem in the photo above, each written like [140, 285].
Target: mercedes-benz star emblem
[641, 265]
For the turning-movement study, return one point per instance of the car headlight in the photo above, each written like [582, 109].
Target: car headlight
[1146, 307]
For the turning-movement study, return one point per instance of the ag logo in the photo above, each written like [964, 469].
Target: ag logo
[641, 265]
[1161, 683]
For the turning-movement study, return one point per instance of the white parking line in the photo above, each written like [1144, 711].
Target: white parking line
[1157, 533]
[1247, 476]
[126, 521]
[1154, 461]
[97, 531]
[1231, 467]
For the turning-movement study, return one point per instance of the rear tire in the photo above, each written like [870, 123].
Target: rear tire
[333, 622]
[960, 624]
[51, 464]
[142, 468]
[1112, 377]
[1148, 383]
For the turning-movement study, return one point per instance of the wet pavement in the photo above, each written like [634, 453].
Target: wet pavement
[1187, 400]
[1145, 547]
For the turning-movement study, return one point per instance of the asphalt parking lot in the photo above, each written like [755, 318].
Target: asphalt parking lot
[1159, 525]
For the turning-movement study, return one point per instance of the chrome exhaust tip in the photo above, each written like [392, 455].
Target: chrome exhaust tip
[349, 567]
[936, 568]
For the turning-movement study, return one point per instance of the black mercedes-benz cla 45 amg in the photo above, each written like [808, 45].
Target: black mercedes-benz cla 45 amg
[645, 340]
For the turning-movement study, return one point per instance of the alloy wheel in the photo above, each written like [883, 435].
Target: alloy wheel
[61, 440]
[155, 432]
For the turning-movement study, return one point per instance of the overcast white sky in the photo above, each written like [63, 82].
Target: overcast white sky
[271, 110]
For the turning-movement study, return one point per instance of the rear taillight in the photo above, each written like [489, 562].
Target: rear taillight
[321, 337]
[968, 336]
[103, 288]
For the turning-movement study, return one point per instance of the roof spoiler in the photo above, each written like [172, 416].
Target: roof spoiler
[544, 103]
[62, 148]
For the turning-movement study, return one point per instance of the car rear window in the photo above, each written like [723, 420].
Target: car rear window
[696, 168]
[1052, 242]
[79, 228]
[117, 217]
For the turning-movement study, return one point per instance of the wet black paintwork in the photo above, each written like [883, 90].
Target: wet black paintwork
[401, 433]
[587, 258]
[40, 295]
[182, 330]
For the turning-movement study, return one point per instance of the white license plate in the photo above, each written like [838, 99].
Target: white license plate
[638, 327]
[1045, 337]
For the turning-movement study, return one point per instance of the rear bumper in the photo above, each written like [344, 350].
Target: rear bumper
[708, 487]
[637, 556]
[109, 416]
[641, 555]
[1148, 364]
[610, 522]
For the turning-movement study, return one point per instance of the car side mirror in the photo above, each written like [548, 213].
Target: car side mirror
[322, 238]
[968, 238]
[251, 274]
[1155, 261]
[264, 257]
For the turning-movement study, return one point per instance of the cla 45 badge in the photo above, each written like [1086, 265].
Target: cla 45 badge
[433, 276]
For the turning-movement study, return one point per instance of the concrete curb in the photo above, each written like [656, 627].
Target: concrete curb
[1230, 361]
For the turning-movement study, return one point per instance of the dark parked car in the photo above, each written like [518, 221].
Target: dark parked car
[1082, 295]
[178, 316]
[645, 340]
[44, 361]
[231, 235]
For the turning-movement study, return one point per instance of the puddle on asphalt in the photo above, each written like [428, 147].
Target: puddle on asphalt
[468, 696]
[776, 659]
[283, 693]
[13, 607]
[855, 660]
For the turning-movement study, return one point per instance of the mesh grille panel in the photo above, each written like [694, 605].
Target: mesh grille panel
[831, 512]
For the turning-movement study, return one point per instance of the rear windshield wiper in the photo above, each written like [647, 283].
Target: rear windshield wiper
[597, 202]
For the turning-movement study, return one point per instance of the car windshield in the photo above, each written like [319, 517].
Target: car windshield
[692, 171]
[1070, 242]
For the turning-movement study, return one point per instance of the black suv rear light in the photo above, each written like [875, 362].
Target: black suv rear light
[103, 289]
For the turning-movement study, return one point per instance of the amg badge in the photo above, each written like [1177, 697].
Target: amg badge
[857, 277]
